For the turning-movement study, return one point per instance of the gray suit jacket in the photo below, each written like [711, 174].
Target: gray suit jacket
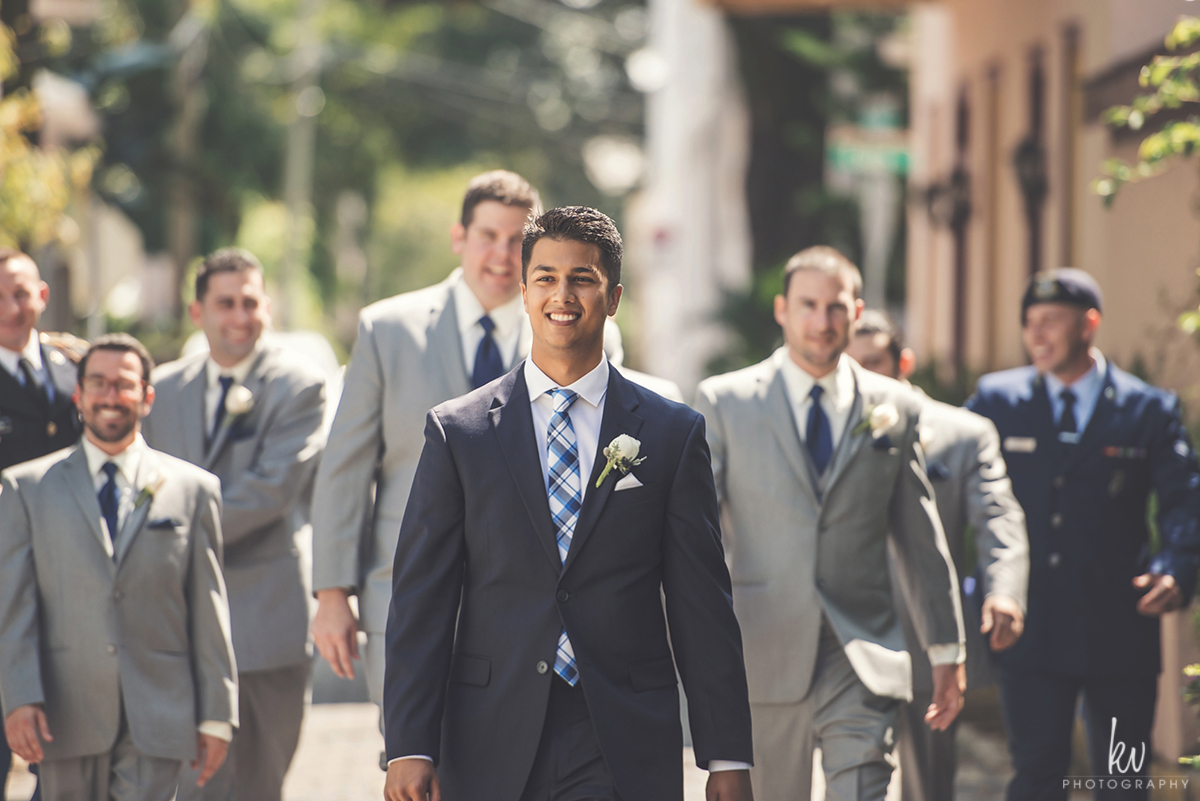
[266, 460]
[798, 547]
[79, 632]
[408, 359]
[963, 461]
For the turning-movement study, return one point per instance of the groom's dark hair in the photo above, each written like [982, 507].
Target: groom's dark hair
[577, 224]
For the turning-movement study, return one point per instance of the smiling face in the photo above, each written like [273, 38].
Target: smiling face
[490, 249]
[23, 297]
[233, 313]
[817, 316]
[1057, 337]
[112, 398]
[568, 299]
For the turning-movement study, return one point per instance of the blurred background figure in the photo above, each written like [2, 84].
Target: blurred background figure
[1086, 445]
[252, 413]
[980, 517]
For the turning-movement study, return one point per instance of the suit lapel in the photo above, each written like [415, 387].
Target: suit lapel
[619, 418]
[254, 383]
[148, 476]
[16, 396]
[193, 424]
[512, 420]
[62, 374]
[782, 420]
[83, 489]
[445, 339]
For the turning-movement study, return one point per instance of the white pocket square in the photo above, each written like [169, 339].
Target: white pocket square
[629, 482]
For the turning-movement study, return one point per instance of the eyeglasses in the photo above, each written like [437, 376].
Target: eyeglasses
[99, 385]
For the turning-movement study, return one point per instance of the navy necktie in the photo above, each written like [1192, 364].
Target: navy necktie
[226, 382]
[488, 364]
[32, 385]
[1067, 423]
[108, 503]
[819, 437]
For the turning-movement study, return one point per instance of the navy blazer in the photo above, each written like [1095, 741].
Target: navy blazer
[480, 596]
[1086, 510]
[30, 429]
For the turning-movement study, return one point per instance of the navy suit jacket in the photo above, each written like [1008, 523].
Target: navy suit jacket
[28, 428]
[480, 596]
[1086, 511]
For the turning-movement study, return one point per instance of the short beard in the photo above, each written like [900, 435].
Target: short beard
[121, 433]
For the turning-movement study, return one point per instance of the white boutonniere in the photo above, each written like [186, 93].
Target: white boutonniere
[621, 454]
[880, 419]
[238, 402]
[152, 486]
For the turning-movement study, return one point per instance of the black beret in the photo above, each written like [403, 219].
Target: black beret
[1064, 285]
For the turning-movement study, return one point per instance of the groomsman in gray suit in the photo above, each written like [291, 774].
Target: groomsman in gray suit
[115, 659]
[964, 465]
[413, 352]
[817, 464]
[251, 413]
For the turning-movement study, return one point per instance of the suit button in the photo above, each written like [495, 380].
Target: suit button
[1056, 520]
[51, 429]
[112, 649]
[118, 595]
[542, 667]
[1060, 482]
[564, 596]
[1054, 559]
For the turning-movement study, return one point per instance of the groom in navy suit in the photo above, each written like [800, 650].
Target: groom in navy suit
[527, 649]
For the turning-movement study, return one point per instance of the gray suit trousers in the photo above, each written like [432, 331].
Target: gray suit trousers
[122, 774]
[851, 725]
[271, 709]
[927, 758]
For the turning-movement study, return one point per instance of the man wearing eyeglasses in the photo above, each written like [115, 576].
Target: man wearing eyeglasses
[116, 664]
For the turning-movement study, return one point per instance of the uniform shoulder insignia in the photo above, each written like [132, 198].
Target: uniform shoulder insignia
[65, 345]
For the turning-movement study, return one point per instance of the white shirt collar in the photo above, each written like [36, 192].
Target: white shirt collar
[838, 383]
[239, 371]
[591, 387]
[11, 359]
[468, 309]
[127, 461]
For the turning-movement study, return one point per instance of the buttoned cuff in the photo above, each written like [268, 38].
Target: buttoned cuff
[720, 765]
[220, 729]
[411, 756]
[947, 653]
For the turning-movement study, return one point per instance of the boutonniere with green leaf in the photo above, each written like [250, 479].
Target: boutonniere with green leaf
[880, 419]
[152, 486]
[621, 454]
[238, 402]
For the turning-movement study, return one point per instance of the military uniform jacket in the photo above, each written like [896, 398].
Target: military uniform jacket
[28, 428]
[1086, 507]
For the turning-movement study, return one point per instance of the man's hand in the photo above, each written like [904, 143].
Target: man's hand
[412, 779]
[335, 631]
[728, 785]
[210, 753]
[1164, 596]
[1002, 616]
[949, 683]
[22, 727]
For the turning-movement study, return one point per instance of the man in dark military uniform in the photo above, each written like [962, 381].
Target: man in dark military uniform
[1086, 444]
[37, 376]
[37, 371]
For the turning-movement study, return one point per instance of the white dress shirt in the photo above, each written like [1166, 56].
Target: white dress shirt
[213, 374]
[586, 413]
[128, 463]
[837, 402]
[11, 361]
[508, 317]
[1086, 388]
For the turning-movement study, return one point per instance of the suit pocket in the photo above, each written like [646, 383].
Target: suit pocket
[653, 674]
[473, 670]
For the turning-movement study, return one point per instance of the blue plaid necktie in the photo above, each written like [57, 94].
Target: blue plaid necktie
[819, 437]
[565, 490]
[488, 364]
[108, 503]
[226, 381]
